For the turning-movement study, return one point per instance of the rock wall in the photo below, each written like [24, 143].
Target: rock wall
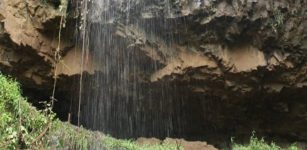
[239, 65]
[28, 40]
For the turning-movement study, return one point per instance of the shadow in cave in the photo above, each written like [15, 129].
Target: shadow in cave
[171, 109]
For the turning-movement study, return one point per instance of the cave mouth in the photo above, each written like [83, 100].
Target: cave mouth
[160, 110]
[119, 101]
[172, 109]
[157, 112]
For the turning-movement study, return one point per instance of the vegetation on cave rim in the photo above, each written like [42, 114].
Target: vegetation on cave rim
[20, 123]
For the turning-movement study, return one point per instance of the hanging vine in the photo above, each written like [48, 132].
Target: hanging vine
[57, 58]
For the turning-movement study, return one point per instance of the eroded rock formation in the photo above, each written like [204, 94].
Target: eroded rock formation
[237, 66]
[28, 40]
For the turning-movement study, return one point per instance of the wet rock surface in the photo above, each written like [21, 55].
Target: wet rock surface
[229, 67]
[29, 41]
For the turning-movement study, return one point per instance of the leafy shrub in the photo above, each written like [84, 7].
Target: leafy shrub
[20, 123]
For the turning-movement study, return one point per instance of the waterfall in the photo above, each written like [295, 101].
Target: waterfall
[117, 98]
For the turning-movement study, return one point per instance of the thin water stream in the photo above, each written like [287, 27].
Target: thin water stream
[119, 98]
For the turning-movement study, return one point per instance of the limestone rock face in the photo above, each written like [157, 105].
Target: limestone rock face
[239, 65]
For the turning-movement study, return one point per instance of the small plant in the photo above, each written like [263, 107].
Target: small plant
[278, 20]
[260, 144]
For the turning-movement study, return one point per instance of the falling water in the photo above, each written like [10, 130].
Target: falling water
[118, 98]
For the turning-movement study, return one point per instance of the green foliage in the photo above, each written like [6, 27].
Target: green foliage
[9, 100]
[260, 144]
[20, 123]
[277, 20]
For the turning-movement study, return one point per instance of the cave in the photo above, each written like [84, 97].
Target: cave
[206, 71]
